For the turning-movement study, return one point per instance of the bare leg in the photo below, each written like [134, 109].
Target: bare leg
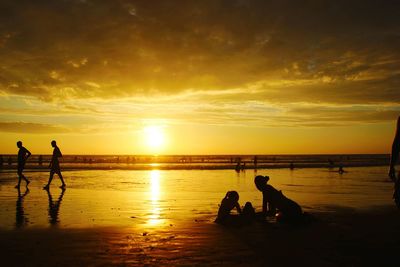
[62, 180]
[26, 180]
[19, 180]
[50, 179]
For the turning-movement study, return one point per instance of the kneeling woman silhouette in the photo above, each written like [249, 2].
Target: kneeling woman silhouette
[276, 204]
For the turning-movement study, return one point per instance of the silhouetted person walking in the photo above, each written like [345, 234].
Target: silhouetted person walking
[395, 152]
[55, 166]
[23, 155]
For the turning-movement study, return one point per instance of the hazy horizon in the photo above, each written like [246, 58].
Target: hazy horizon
[194, 155]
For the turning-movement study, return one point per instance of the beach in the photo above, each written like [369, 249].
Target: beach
[165, 217]
[199, 133]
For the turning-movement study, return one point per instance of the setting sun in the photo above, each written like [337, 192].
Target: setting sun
[154, 136]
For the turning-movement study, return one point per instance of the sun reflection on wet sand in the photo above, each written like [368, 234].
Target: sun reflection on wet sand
[161, 200]
[155, 212]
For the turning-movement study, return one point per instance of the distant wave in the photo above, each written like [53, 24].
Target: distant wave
[205, 162]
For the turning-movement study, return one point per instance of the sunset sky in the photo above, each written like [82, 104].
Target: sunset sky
[199, 77]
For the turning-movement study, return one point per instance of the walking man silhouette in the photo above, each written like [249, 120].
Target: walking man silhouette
[55, 166]
[23, 155]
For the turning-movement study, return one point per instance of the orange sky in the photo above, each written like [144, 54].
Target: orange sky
[214, 77]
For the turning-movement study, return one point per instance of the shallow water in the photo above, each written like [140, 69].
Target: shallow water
[164, 198]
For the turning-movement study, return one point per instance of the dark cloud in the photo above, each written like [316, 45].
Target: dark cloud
[27, 127]
[346, 50]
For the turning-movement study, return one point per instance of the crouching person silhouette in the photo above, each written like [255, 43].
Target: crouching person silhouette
[228, 203]
[276, 204]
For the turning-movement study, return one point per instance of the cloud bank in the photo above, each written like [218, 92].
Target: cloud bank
[260, 62]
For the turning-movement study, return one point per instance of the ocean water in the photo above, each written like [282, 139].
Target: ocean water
[173, 162]
[157, 198]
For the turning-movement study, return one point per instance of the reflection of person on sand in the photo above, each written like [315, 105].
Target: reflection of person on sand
[54, 207]
[395, 152]
[228, 203]
[55, 166]
[20, 219]
[23, 155]
[288, 210]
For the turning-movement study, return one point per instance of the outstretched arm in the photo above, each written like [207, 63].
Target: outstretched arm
[237, 206]
[395, 151]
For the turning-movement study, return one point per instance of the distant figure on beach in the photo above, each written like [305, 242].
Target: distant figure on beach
[20, 218]
[288, 210]
[331, 163]
[228, 203]
[255, 160]
[55, 166]
[395, 152]
[9, 161]
[54, 207]
[238, 167]
[291, 166]
[40, 160]
[341, 170]
[23, 155]
[1, 161]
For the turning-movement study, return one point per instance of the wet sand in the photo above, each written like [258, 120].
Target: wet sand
[341, 237]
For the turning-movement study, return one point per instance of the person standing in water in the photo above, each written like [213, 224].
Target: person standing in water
[55, 166]
[395, 152]
[23, 155]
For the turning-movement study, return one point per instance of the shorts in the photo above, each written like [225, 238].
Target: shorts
[55, 168]
[20, 167]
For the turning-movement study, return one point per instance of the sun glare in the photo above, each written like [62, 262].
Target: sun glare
[154, 218]
[154, 136]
